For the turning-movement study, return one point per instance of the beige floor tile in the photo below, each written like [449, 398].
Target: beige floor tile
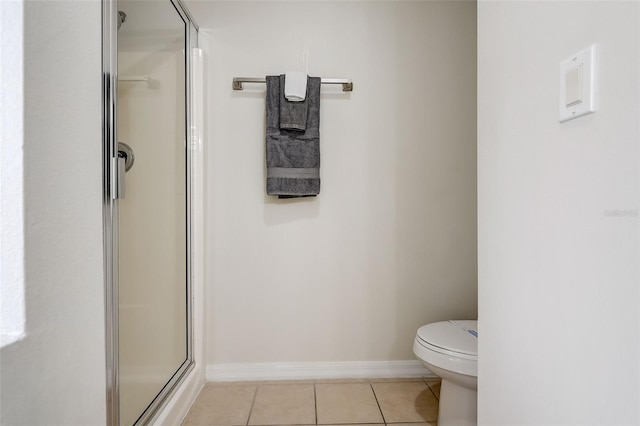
[406, 379]
[284, 404]
[287, 382]
[406, 402]
[413, 424]
[342, 380]
[222, 404]
[346, 403]
[435, 387]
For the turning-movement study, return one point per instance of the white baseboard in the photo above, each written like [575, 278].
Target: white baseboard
[315, 370]
[178, 407]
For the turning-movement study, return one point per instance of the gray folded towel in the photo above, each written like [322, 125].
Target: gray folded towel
[293, 115]
[293, 156]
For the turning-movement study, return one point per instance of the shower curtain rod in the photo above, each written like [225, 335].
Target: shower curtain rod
[347, 85]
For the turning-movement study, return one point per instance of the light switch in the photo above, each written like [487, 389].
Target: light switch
[577, 80]
[573, 93]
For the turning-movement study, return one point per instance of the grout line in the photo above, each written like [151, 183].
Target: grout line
[255, 395]
[432, 392]
[377, 402]
[315, 402]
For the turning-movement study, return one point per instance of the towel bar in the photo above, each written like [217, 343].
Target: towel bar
[347, 85]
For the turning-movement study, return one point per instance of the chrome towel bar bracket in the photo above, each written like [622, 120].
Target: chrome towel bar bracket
[347, 85]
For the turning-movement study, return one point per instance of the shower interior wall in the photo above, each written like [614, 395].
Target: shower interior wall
[152, 264]
[390, 242]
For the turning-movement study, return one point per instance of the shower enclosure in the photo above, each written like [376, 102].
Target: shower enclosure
[146, 81]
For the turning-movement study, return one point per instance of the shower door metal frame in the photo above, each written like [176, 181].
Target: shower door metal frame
[110, 213]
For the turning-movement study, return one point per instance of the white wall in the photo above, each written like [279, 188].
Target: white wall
[56, 374]
[389, 244]
[12, 319]
[558, 270]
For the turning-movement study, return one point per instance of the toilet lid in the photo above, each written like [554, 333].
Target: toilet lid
[455, 336]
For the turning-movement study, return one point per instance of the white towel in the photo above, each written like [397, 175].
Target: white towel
[295, 86]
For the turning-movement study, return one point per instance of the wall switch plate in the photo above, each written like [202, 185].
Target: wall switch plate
[576, 85]
[573, 81]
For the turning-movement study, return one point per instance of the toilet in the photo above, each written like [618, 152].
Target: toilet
[449, 349]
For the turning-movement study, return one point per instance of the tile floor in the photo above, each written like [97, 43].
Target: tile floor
[361, 402]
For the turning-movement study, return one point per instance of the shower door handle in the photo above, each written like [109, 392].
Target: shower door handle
[117, 177]
[121, 164]
[122, 168]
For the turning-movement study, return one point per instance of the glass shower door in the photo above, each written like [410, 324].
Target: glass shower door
[153, 238]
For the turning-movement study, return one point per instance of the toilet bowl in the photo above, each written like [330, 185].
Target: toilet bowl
[450, 350]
